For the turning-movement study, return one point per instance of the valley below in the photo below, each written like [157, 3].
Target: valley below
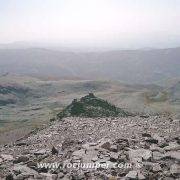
[29, 103]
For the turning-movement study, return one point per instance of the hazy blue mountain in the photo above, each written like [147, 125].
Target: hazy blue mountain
[130, 66]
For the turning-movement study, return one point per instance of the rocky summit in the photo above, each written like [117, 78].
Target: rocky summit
[96, 148]
[92, 106]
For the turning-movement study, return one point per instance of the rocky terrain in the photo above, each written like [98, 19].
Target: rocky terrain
[109, 148]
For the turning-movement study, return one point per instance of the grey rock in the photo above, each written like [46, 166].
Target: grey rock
[156, 167]
[113, 157]
[21, 143]
[41, 152]
[7, 157]
[49, 176]
[79, 176]
[132, 175]
[106, 145]
[157, 155]
[152, 140]
[175, 169]
[146, 135]
[139, 154]
[144, 116]
[10, 177]
[173, 154]
[23, 169]
[94, 159]
[68, 143]
[141, 176]
[54, 151]
[154, 147]
[122, 144]
[173, 146]
[79, 153]
[24, 176]
[93, 144]
[114, 148]
[60, 175]
[158, 138]
[31, 164]
[21, 159]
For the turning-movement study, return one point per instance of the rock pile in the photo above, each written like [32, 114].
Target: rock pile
[96, 148]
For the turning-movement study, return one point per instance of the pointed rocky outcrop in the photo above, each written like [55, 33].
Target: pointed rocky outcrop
[92, 106]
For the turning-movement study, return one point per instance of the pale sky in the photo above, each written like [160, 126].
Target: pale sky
[123, 23]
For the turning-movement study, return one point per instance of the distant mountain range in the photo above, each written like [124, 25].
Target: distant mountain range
[131, 66]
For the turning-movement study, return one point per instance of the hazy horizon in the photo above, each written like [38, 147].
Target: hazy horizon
[91, 23]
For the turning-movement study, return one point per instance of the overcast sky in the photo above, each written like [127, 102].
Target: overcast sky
[121, 23]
